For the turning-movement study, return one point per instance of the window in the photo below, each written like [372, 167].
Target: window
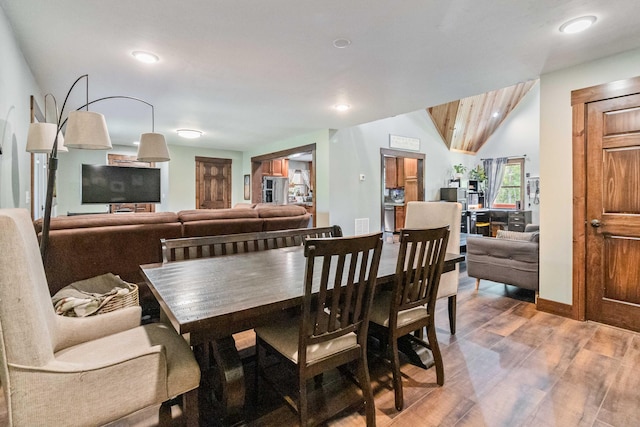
[511, 189]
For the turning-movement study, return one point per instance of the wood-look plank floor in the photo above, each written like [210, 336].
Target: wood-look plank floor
[508, 365]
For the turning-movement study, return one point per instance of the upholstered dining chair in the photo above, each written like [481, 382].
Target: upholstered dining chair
[410, 305]
[439, 214]
[71, 371]
[331, 330]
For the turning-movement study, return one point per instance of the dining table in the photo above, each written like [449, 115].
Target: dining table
[207, 300]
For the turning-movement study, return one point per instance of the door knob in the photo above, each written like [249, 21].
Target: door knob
[595, 223]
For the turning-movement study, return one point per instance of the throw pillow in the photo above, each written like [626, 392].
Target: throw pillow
[514, 235]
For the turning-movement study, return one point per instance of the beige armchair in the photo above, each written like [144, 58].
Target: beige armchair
[439, 214]
[79, 371]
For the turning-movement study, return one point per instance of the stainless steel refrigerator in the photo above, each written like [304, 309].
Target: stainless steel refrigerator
[275, 190]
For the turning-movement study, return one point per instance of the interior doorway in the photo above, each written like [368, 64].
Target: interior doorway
[606, 131]
[402, 177]
[213, 183]
[295, 168]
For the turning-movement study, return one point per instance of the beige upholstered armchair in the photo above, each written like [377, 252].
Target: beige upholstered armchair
[79, 371]
[439, 214]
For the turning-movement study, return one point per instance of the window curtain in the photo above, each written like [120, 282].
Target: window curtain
[494, 169]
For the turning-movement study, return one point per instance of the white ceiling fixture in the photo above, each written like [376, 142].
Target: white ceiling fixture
[189, 133]
[342, 107]
[146, 57]
[341, 43]
[577, 25]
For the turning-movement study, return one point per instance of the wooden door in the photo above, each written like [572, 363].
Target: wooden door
[213, 183]
[613, 212]
[129, 161]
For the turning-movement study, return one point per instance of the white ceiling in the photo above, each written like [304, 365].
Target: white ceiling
[248, 72]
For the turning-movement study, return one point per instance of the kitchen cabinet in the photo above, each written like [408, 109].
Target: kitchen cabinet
[390, 172]
[410, 168]
[278, 167]
[399, 220]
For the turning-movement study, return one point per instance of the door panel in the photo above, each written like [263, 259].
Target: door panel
[213, 183]
[613, 209]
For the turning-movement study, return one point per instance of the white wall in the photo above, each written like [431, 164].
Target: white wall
[178, 177]
[556, 205]
[16, 85]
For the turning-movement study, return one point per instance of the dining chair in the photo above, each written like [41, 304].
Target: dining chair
[410, 305]
[80, 371]
[331, 329]
[440, 214]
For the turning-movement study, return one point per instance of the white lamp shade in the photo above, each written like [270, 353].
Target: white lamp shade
[87, 130]
[41, 137]
[153, 148]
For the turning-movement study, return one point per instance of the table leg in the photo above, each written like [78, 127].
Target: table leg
[230, 388]
[417, 354]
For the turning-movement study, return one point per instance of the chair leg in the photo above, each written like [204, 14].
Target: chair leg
[256, 379]
[397, 378]
[164, 416]
[435, 349]
[191, 408]
[365, 385]
[452, 313]
[477, 284]
[302, 401]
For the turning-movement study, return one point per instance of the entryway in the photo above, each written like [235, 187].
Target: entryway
[606, 130]
[213, 183]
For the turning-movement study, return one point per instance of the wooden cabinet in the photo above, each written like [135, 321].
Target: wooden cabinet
[278, 167]
[400, 213]
[410, 168]
[390, 173]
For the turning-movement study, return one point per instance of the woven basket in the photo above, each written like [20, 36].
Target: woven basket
[121, 301]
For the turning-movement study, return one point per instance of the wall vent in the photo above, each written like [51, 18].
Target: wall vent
[362, 226]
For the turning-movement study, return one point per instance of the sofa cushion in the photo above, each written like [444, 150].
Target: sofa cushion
[107, 220]
[517, 235]
[273, 211]
[215, 214]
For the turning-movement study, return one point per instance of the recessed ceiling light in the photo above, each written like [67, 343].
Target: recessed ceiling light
[189, 133]
[577, 25]
[341, 43]
[342, 107]
[496, 114]
[146, 57]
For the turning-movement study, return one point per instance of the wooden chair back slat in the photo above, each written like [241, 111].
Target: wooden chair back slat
[419, 266]
[210, 246]
[343, 290]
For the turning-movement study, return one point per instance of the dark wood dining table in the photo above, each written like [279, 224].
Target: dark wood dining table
[213, 298]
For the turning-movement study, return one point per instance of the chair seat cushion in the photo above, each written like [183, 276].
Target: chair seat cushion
[283, 336]
[382, 305]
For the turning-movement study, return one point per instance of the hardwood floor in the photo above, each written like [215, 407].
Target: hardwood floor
[507, 365]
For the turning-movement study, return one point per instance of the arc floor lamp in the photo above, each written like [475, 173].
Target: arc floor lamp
[86, 130]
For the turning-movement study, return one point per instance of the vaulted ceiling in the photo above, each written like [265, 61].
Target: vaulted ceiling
[466, 124]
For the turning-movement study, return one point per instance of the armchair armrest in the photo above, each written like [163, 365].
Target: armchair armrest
[76, 330]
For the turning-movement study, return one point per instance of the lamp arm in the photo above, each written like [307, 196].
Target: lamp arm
[117, 97]
[53, 157]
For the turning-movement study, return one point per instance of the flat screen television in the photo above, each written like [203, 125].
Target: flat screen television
[120, 184]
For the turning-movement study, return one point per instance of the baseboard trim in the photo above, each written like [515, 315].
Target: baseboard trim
[554, 307]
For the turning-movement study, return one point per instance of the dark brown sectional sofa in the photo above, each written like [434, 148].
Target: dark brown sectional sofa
[84, 246]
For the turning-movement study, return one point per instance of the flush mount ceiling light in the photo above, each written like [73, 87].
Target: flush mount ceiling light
[341, 43]
[189, 133]
[146, 57]
[577, 25]
[342, 107]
